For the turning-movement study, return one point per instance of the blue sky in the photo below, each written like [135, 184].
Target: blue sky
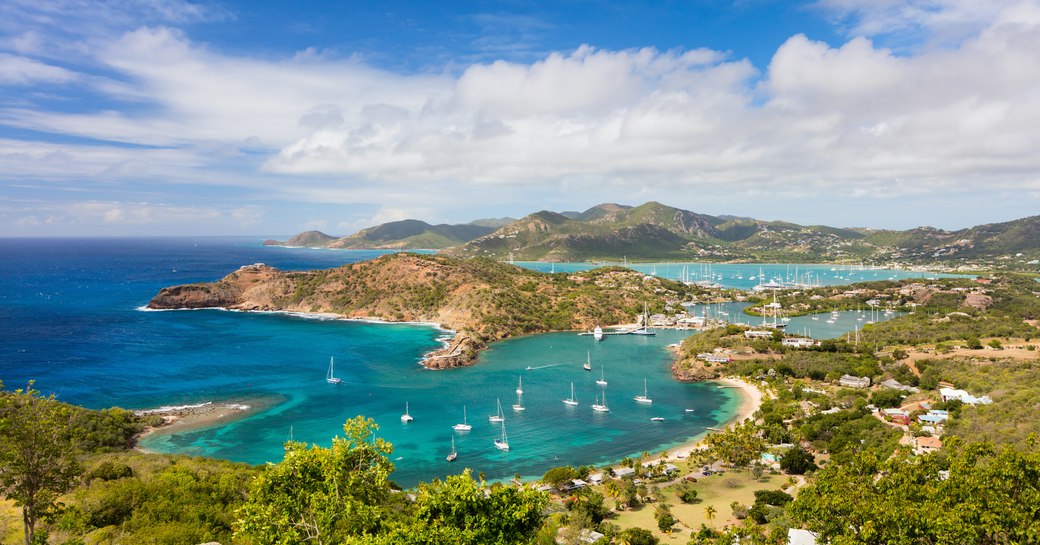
[150, 117]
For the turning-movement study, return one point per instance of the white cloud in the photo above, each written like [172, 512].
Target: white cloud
[856, 119]
[15, 70]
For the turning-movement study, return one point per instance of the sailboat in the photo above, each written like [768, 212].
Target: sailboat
[330, 377]
[647, 329]
[463, 426]
[601, 408]
[454, 453]
[588, 362]
[643, 398]
[503, 443]
[519, 406]
[571, 401]
[520, 387]
[406, 417]
[498, 417]
[601, 381]
[597, 333]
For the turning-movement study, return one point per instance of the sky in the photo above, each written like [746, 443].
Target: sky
[170, 117]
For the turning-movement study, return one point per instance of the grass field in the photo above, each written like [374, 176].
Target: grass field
[718, 491]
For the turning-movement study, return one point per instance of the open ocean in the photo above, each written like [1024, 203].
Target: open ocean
[71, 319]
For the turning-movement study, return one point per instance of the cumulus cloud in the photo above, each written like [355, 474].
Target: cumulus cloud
[858, 118]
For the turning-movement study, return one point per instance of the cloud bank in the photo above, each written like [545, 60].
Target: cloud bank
[952, 114]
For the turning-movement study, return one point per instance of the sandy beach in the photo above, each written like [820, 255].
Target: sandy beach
[750, 400]
[183, 418]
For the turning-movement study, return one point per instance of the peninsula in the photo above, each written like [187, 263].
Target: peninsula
[481, 300]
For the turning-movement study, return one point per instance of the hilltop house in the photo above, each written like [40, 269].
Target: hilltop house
[850, 381]
[898, 416]
[946, 394]
[799, 342]
[924, 445]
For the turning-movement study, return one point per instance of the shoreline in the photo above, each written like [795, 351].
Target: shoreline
[751, 398]
[200, 416]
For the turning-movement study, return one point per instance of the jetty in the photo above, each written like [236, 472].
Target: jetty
[605, 333]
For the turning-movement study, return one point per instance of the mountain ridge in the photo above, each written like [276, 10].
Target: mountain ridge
[654, 231]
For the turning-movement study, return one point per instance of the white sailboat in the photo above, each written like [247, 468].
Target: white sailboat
[519, 406]
[464, 426]
[643, 398]
[503, 443]
[497, 417]
[601, 408]
[330, 377]
[588, 362]
[454, 453]
[406, 418]
[597, 333]
[647, 329]
[602, 381]
[520, 387]
[572, 402]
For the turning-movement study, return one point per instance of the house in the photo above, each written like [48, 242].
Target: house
[924, 445]
[596, 478]
[934, 417]
[714, 358]
[623, 471]
[796, 536]
[946, 394]
[896, 385]
[898, 416]
[799, 342]
[750, 334]
[850, 381]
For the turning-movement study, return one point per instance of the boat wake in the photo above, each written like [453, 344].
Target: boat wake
[529, 368]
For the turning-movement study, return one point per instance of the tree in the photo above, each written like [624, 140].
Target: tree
[797, 461]
[738, 445]
[710, 512]
[638, 536]
[321, 495]
[37, 460]
[972, 494]
[463, 511]
[558, 476]
[664, 517]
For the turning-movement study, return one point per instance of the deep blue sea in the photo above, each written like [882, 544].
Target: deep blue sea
[71, 319]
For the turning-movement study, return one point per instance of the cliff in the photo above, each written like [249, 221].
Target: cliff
[482, 300]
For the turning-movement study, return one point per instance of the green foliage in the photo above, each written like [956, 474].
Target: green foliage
[686, 492]
[322, 495]
[739, 445]
[987, 497]
[37, 459]
[165, 500]
[558, 476]
[461, 511]
[638, 536]
[1014, 387]
[887, 397]
[663, 516]
[846, 432]
[798, 461]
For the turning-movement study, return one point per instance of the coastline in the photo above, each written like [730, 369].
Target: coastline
[751, 398]
[199, 416]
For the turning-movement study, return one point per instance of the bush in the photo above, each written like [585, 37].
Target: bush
[797, 461]
[686, 492]
[109, 471]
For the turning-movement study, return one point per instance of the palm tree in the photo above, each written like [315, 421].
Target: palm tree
[613, 489]
[709, 512]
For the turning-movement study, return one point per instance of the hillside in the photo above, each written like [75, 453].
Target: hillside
[397, 235]
[653, 231]
[480, 299]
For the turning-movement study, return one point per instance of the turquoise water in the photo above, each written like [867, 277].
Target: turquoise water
[746, 276]
[71, 319]
[379, 368]
[842, 322]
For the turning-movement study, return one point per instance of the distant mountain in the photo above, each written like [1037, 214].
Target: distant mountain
[494, 223]
[605, 231]
[653, 231]
[396, 235]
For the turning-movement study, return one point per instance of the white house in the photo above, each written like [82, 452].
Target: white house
[799, 342]
[964, 397]
[850, 381]
[797, 536]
